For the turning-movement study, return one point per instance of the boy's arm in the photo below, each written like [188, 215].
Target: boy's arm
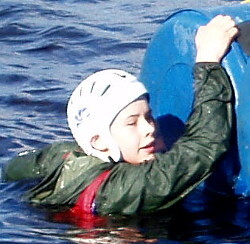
[26, 165]
[207, 135]
[36, 163]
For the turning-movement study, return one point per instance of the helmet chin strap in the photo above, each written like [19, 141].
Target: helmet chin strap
[114, 152]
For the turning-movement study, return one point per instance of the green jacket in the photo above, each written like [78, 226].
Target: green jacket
[66, 171]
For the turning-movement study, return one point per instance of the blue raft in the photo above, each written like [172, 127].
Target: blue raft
[167, 73]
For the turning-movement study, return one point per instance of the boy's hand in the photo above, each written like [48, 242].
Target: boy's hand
[213, 40]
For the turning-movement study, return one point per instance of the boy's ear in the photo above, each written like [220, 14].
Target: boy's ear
[98, 143]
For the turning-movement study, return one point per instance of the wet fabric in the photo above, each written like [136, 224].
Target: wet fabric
[147, 187]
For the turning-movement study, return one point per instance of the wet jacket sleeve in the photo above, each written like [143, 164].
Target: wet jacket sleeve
[36, 163]
[166, 180]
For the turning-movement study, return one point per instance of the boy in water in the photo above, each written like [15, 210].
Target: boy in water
[114, 167]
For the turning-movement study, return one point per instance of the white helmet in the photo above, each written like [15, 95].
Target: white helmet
[96, 102]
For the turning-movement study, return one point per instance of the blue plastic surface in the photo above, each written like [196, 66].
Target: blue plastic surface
[167, 73]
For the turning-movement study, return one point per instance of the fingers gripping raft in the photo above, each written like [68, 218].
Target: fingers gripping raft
[167, 70]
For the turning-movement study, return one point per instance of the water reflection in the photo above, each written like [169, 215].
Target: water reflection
[201, 218]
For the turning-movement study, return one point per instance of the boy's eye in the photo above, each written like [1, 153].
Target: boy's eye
[131, 123]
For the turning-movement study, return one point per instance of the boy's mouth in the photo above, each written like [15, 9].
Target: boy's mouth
[150, 147]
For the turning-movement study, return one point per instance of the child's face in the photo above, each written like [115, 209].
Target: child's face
[134, 131]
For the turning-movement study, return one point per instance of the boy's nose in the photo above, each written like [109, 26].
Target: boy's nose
[149, 128]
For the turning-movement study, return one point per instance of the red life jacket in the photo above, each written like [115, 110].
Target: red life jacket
[82, 213]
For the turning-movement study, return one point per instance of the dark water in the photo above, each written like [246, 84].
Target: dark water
[47, 47]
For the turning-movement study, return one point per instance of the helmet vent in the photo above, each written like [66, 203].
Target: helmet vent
[105, 90]
[92, 88]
